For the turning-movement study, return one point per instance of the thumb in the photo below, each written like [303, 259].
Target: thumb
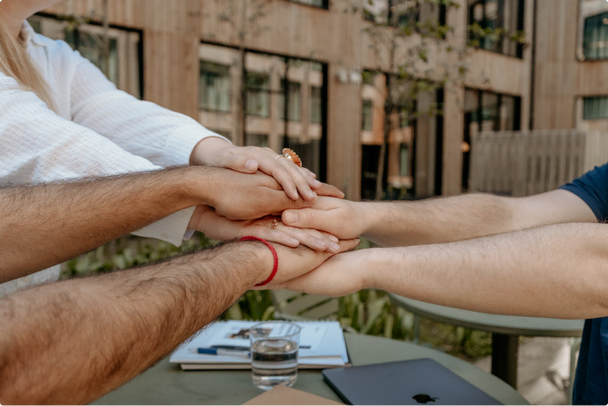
[304, 218]
[240, 163]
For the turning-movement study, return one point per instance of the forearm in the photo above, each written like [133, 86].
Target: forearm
[116, 325]
[465, 217]
[44, 225]
[557, 271]
[436, 220]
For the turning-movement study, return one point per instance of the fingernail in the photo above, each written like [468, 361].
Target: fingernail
[321, 243]
[316, 183]
[294, 242]
[251, 165]
[334, 247]
[290, 217]
[334, 239]
[312, 195]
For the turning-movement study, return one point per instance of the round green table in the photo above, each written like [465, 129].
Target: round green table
[505, 330]
[165, 383]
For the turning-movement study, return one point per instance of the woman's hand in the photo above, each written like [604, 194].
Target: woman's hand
[296, 264]
[214, 151]
[206, 220]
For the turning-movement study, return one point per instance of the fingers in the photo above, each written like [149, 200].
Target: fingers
[307, 218]
[311, 178]
[287, 174]
[298, 178]
[313, 239]
[328, 190]
[237, 162]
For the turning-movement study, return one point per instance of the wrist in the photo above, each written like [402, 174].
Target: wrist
[364, 215]
[201, 184]
[261, 259]
[206, 149]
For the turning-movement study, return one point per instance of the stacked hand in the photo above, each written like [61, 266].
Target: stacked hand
[252, 188]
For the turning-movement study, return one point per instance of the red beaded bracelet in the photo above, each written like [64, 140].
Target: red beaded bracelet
[274, 255]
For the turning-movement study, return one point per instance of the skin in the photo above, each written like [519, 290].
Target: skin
[119, 324]
[94, 211]
[298, 183]
[475, 252]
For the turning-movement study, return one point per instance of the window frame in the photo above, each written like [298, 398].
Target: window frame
[520, 25]
[201, 106]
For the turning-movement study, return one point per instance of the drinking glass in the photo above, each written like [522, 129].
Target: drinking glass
[274, 353]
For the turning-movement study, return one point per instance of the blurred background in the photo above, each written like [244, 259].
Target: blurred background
[385, 99]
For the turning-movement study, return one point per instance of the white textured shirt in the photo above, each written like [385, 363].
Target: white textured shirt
[95, 130]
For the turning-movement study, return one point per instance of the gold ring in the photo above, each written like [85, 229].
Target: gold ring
[292, 156]
[275, 223]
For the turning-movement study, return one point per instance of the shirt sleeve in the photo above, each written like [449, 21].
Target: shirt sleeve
[164, 137]
[592, 188]
[36, 145]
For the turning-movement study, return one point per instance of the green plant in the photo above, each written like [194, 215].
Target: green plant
[368, 311]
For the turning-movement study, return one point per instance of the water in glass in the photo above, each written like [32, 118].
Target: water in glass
[274, 361]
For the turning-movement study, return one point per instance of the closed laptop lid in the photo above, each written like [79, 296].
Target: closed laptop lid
[415, 382]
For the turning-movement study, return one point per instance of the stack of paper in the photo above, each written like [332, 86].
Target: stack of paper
[321, 346]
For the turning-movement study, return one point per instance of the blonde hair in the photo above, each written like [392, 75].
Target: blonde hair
[16, 63]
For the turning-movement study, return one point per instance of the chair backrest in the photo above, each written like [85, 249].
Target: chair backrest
[300, 306]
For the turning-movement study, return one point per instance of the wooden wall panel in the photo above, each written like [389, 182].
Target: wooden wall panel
[344, 128]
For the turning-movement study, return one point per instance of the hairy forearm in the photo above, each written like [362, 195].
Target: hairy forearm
[46, 224]
[557, 271]
[436, 220]
[467, 216]
[114, 325]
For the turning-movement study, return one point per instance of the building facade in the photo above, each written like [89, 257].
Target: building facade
[307, 82]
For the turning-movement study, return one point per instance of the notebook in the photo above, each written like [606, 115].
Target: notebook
[421, 381]
[322, 345]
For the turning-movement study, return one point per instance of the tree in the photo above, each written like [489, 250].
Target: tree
[413, 54]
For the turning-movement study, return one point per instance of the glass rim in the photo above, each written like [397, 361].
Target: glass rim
[298, 328]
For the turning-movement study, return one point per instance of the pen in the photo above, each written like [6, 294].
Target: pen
[220, 351]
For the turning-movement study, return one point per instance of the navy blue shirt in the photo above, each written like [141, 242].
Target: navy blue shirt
[591, 381]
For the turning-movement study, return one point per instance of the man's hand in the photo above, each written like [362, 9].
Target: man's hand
[206, 220]
[239, 196]
[294, 263]
[215, 151]
[342, 218]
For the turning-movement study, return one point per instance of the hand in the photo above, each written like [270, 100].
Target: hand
[342, 218]
[295, 262]
[206, 220]
[214, 151]
[340, 275]
[239, 196]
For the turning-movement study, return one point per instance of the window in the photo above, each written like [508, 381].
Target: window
[256, 140]
[314, 3]
[316, 105]
[294, 105]
[496, 14]
[595, 108]
[90, 48]
[404, 160]
[595, 37]
[368, 112]
[399, 13]
[486, 111]
[369, 171]
[214, 87]
[124, 63]
[258, 94]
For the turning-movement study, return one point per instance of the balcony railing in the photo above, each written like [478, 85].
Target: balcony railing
[527, 163]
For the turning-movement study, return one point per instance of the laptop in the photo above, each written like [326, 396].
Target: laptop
[415, 382]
